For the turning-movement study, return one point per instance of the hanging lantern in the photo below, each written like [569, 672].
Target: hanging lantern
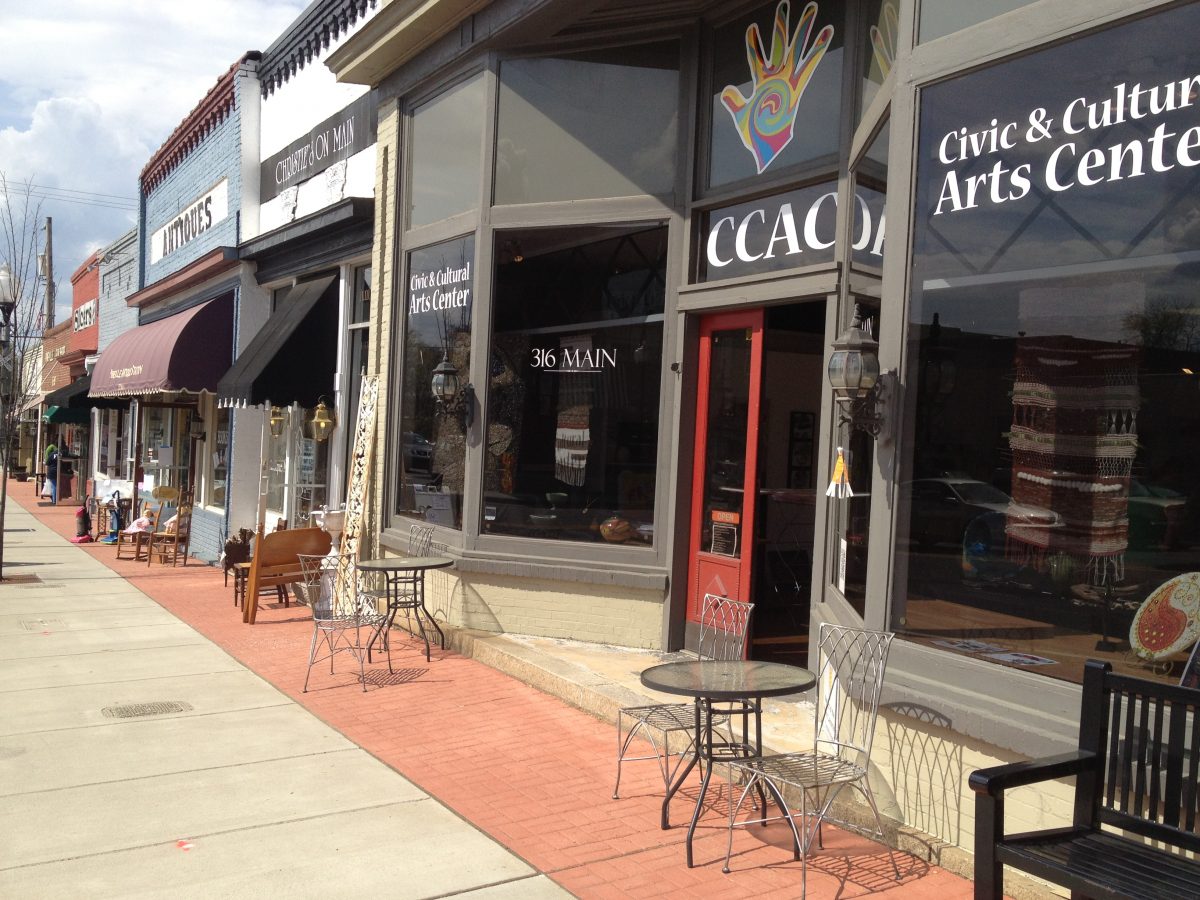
[322, 421]
[278, 420]
[444, 383]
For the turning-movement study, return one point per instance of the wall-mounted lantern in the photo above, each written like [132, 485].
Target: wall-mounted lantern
[278, 420]
[856, 381]
[322, 422]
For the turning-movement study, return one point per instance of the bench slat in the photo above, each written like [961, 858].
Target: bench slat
[1099, 864]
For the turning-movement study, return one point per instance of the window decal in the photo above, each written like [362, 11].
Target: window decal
[766, 119]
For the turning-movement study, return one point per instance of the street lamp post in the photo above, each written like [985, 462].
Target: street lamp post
[8, 302]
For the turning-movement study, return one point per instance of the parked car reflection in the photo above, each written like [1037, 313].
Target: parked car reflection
[943, 508]
[1156, 516]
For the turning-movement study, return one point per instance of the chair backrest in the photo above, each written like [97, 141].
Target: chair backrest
[724, 624]
[420, 540]
[851, 664]
[331, 583]
[282, 547]
[183, 523]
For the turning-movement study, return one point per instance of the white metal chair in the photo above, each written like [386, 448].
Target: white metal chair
[341, 612]
[723, 627]
[851, 666]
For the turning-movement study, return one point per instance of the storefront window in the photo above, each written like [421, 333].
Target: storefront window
[574, 387]
[870, 187]
[357, 339]
[783, 109]
[878, 47]
[437, 333]
[1050, 501]
[219, 458]
[447, 154]
[569, 129]
[942, 17]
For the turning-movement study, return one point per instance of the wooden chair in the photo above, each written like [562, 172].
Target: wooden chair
[172, 545]
[276, 562]
[133, 544]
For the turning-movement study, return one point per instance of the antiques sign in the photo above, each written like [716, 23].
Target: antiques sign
[339, 137]
[199, 216]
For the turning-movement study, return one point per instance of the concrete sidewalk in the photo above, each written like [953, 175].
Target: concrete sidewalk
[137, 758]
[531, 771]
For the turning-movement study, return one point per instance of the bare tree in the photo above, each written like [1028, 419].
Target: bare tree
[20, 218]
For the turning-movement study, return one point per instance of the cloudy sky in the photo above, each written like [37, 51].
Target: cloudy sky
[89, 90]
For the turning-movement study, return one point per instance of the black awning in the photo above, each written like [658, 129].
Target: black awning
[293, 357]
[75, 396]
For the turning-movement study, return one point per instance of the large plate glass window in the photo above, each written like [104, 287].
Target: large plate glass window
[575, 383]
[602, 124]
[357, 340]
[437, 340]
[447, 153]
[942, 17]
[1050, 499]
[776, 90]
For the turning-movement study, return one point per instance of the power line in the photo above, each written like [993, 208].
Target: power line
[90, 193]
[129, 207]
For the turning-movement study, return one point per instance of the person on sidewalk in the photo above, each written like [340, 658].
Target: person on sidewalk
[52, 471]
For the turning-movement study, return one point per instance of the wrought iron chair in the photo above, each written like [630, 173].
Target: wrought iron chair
[403, 590]
[723, 627]
[341, 612]
[171, 546]
[851, 664]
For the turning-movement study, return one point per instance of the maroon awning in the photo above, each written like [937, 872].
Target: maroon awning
[188, 351]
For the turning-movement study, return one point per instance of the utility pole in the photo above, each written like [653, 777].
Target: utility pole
[49, 272]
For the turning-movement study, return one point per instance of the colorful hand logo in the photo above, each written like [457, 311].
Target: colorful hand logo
[767, 118]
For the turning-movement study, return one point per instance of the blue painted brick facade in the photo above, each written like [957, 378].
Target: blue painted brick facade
[217, 157]
[118, 279]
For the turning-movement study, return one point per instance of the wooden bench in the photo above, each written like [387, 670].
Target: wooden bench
[1136, 774]
[276, 562]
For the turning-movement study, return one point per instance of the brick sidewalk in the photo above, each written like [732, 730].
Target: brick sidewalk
[526, 768]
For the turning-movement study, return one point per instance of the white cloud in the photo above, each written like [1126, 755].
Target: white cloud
[89, 90]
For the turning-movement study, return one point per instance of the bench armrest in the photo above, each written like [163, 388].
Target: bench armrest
[999, 778]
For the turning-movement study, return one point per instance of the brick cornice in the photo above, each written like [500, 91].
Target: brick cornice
[206, 116]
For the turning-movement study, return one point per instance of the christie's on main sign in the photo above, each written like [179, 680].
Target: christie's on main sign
[339, 137]
[197, 217]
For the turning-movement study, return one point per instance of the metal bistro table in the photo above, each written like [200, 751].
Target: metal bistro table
[405, 578]
[723, 688]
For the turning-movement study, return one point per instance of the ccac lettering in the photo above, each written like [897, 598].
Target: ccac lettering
[766, 233]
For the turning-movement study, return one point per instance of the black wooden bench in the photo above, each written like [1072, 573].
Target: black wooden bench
[1136, 781]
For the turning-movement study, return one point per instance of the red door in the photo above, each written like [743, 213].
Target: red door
[723, 484]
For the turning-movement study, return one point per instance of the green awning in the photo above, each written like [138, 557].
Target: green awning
[64, 415]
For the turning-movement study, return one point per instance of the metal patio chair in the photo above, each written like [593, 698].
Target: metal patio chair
[723, 627]
[406, 586]
[850, 671]
[344, 617]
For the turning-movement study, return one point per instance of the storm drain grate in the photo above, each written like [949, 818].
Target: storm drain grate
[41, 624]
[136, 710]
[21, 579]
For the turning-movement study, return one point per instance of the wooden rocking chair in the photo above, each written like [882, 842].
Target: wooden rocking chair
[171, 546]
[134, 544]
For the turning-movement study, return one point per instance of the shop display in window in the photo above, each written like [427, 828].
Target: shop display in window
[574, 387]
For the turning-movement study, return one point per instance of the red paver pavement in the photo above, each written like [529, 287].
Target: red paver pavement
[526, 768]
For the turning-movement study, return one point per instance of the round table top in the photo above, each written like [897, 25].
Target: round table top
[399, 563]
[728, 679]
